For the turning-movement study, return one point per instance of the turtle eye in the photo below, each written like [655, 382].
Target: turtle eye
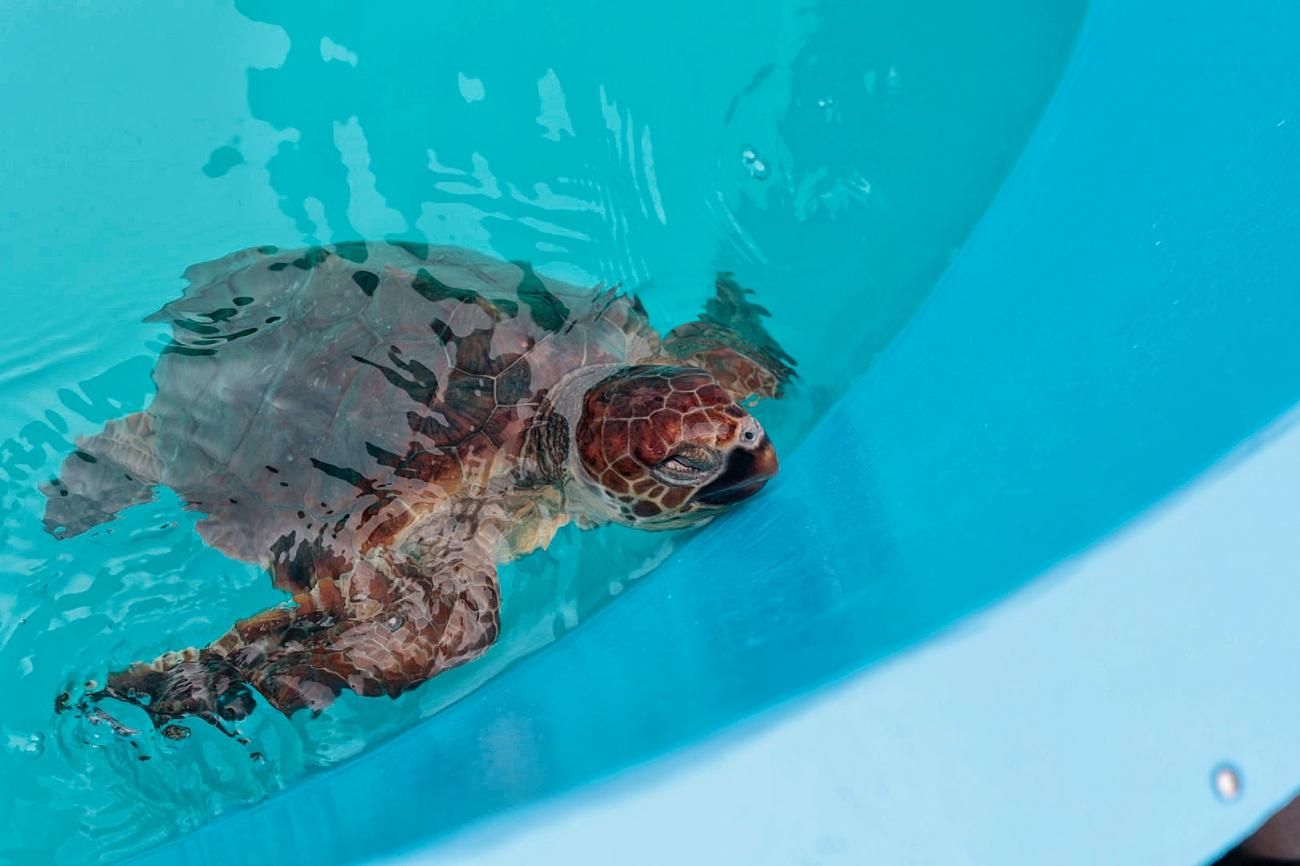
[687, 466]
[677, 464]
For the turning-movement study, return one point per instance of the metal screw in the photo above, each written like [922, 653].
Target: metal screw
[1227, 782]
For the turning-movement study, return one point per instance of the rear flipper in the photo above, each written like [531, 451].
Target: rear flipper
[110, 471]
[197, 682]
[730, 341]
[374, 633]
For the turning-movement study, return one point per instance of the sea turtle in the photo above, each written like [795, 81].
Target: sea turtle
[380, 424]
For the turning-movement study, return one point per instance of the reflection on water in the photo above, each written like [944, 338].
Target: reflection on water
[601, 145]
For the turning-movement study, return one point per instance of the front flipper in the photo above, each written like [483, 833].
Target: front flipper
[112, 470]
[380, 629]
[730, 341]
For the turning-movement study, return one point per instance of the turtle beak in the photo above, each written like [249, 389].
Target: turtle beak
[747, 470]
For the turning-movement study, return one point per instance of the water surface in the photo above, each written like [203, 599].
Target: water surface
[833, 155]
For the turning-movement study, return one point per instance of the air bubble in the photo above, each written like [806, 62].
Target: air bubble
[758, 169]
[32, 745]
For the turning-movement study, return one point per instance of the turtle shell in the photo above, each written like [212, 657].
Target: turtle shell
[339, 392]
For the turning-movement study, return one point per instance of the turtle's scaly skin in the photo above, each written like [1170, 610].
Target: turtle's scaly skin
[380, 424]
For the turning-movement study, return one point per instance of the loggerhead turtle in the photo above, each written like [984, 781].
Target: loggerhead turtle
[380, 424]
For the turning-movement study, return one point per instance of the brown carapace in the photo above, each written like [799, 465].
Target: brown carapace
[380, 425]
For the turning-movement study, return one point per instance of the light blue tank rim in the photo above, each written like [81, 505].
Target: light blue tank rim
[1078, 722]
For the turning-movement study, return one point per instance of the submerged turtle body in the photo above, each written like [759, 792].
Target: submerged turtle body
[380, 424]
[342, 399]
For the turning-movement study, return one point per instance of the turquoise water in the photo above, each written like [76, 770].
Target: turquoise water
[833, 155]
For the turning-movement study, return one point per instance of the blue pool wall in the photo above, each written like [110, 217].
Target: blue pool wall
[1124, 316]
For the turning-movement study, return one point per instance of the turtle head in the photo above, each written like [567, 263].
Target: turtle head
[667, 447]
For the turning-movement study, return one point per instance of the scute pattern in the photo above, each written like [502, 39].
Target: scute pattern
[632, 420]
